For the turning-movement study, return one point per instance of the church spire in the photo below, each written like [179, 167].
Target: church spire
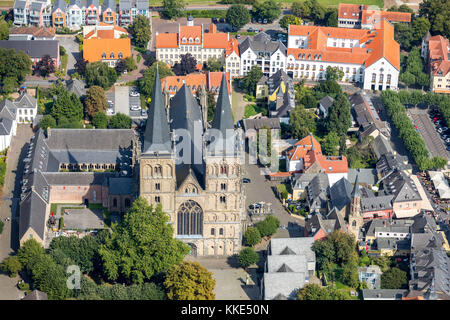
[356, 193]
[223, 118]
[157, 136]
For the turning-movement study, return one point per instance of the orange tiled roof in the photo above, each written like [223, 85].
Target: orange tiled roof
[438, 55]
[167, 40]
[215, 40]
[105, 34]
[379, 43]
[35, 31]
[350, 11]
[215, 79]
[195, 81]
[373, 16]
[93, 49]
[233, 46]
[191, 32]
[310, 151]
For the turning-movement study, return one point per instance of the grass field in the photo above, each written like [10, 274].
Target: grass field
[7, 3]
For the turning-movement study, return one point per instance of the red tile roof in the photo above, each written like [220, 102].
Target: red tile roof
[350, 11]
[233, 46]
[310, 151]
[167, 40]
[195, 81]
[370, 16]
[438, 47]
[93, 49]
[379, 43]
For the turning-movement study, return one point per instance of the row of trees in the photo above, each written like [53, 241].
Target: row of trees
[14, 67]
[312, 10]
[410, 137]
[140, 259]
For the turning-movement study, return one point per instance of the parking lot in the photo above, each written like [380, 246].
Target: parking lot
[427, 130]
[120, 100]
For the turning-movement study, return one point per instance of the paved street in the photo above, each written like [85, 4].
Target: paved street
[428, 132]
[69, 43]
[8, 208]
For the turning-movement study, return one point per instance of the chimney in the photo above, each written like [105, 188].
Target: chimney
[190, 21]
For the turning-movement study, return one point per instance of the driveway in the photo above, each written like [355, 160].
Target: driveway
[9, 208]
[120, 96]
[69, 43]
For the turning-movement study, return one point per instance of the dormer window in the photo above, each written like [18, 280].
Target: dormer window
[197, 40]
[103, 55]
[184, 40]
[111, 55]
[191, 40]
[120, 55]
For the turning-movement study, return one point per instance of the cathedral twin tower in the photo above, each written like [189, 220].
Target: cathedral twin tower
[201, 190]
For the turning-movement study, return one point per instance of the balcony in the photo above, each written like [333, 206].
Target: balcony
[92, 15]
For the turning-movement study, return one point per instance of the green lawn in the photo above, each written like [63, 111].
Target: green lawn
[2, 170]
[7, 3]
[253, 109]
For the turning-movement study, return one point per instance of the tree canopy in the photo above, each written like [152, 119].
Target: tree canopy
[187, 64]
[213, 64]
[95, 101]
[119, 121]
[302, 122]
[248, 83]
[394, 278]
[14, 67]
[189, 281]
[438, 14]
[289, 19]
[45, 66]
[313, 291]
[142, 246]
[238, 16]
[147, 81]
[100, 74]
[339, 118]
[173, 8]
[247, 257]
[267, 9]
[252, 236]
[140, 31]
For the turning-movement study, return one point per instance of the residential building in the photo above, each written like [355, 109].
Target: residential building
[319, 225]
[76, 86]
[36, 49]
[39, 13]
[32, 33]
[195, 40]
[278, 89]
[140, 7]
[366, 117]
[371, 275]
[109, 12]
[75, 15]
[388, 163]
[290, 265]
[104, 30]
[306, 156]
[324, 104]
[381, 146]
[103, 45]
[21, 12]
[59, 13]
[299, 182]
[362, 16]
[436, 51]
[317, 192]
[91, 12]
[269, 55]
[195, 81]
[125, 16]
[232, 58]
[36, 295]
[370, 57]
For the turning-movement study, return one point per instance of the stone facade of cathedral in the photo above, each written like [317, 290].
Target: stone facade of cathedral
[202, 195]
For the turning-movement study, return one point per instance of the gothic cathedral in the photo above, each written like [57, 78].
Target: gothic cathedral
[203, 192]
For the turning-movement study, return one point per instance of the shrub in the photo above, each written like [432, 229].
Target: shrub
[247, 257]
[268, 226]
[1, 226]
[252, 236]
[23, 286]
[11, 265]
[61, 223]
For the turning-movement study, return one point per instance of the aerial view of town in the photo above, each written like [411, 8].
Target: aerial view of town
[237, 150]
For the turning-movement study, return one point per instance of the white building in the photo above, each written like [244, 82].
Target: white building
[74, 15]
[269, 55]
[371, 57]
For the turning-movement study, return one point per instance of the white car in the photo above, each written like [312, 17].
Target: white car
[135, 108]
[134, 93]
[109, 112]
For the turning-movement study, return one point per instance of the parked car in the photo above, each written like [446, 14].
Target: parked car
[238, 36]
[135, 108]
[134, 93]
[254, 206]
[246, 180]
[143, 112]
[214, 20]
[448, 148]
[444, 136]
[259, 20]
[250, 30]
[222, 20]
[265, 21]
[439, 130]
[444, 129]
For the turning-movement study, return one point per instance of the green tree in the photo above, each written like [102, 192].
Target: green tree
[268, 226]
[238, 16]
[407, 78]
[394, 278]
[247, 257]
[420, 27]
[248, 83]
[252, 236]
[404, 36]
[213, 64]
[334, 74]
[289, 19]
[28, 251]
[14, 67]
[189, 281]
[67, 106]
[4, 29]
[11, 265]
[339, 118]
[147, 81]
[142, 245]
[268, 9]
[438, 14]
[173, 8]
[100, 120]
[100, 74]
[140, 31]
[349, 275]
[423, 80]
[302, 122]
[330, 144]
[45, 66]
[95, 101]
[47, 121]
[187, 64]
[331, 18]
[119, 121]
[313, 291]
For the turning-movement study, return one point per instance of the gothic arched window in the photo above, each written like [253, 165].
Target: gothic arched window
[190, 219]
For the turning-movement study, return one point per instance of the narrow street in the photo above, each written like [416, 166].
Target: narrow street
[9, 208]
